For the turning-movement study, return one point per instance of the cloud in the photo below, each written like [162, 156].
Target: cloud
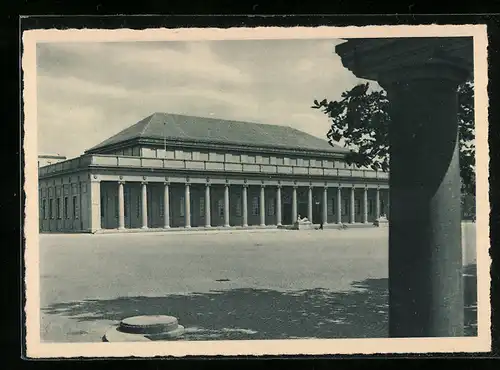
[90, 91]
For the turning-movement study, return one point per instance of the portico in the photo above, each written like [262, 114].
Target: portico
[155, 203]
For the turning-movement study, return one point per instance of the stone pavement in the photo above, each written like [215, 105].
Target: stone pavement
[244, 285]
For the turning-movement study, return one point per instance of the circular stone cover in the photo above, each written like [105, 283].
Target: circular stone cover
[153, 324]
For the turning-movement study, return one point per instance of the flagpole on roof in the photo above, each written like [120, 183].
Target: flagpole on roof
[165, 139]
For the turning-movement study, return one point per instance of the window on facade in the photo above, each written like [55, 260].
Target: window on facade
[117, 211]
[182, 208]
[238, 207]
[138, 208]
[75, 208]
[51, 208]
[202, 206]
[331, 206]
[255, 206]
[161, 205]
[370, 206]
[44, 210]
[65, 205]
[58, 208]
[345, 206]
[357, 206]
[270, 207]
[220, 208]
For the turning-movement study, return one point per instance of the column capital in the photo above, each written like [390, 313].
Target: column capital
[144, 182]
[279, 186]
[166, 183]
[245, 186]
[393, 61]
[121, 182]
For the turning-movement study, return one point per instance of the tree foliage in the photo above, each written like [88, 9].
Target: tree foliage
[360, 121]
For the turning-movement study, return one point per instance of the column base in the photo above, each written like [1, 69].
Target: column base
[262, 224]
[208, 226]
[279, 224]
[166, 227]
[144, 227]
[121, 228]
[187, 226]
[227, 225]
[245, 225]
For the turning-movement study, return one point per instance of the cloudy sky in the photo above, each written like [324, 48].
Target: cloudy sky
[90, 91]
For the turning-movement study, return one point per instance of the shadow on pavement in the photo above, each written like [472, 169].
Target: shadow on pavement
[266, 314]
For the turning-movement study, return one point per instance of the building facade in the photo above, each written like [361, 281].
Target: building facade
[174, 171]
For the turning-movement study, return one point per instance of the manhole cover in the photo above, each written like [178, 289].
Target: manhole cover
[222, 280]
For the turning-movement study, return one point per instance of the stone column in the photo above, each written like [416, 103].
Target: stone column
[95, 205]
[187, 205]
[325, 205]
[425, 258]
[352, 208]
[365, 205]
[377, 203]
[144, 205]
[339, 205]
[294, 204]
[262, 205]
[278, 205]
[121, 206]
[226, 205]
[166, 206]
[310, 203]
[208, 211]
[244, 210]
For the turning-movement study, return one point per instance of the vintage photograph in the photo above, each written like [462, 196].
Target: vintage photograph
[256, 191]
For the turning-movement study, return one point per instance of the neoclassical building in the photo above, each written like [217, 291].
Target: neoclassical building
[175, 171]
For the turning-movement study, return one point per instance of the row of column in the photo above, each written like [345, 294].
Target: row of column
[187, 199]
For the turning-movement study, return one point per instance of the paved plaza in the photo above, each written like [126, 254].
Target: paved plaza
[266, 284]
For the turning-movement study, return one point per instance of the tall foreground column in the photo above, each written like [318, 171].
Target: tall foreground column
[121, 206]
[424, 150]
[421, 76]
[244, 210]
[144, 204]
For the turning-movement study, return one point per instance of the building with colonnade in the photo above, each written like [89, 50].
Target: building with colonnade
[177, 171]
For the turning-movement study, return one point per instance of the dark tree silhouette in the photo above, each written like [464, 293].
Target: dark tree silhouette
[361, 119]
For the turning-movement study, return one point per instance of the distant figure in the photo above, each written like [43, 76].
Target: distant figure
[321, 226]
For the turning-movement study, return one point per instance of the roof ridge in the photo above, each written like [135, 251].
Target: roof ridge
[147, 124]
